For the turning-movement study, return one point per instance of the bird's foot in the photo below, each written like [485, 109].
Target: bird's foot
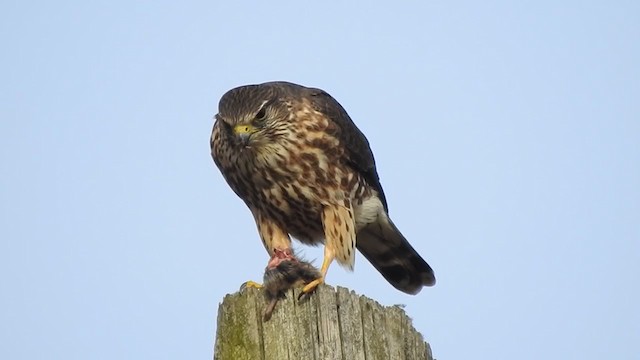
[309, 288]
[250, 284]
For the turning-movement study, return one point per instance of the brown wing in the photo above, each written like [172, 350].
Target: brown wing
[359, 154]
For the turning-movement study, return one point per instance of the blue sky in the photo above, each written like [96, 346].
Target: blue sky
[506, 135]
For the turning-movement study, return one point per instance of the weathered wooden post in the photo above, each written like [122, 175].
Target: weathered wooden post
[331, 324]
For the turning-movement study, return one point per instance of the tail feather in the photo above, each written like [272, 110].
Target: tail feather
[391, 254]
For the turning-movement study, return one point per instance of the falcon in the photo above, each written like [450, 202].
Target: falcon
[304, 169]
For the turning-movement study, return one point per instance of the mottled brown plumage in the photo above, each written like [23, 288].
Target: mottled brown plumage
[304, 169]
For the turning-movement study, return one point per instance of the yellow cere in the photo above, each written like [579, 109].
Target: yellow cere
[243, 129]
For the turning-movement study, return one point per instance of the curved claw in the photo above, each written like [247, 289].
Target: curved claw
[310, 288]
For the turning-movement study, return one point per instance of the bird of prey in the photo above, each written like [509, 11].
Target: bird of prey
[304, 169]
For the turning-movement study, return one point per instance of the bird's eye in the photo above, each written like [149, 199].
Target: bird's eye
[225, 125]
[260, 116]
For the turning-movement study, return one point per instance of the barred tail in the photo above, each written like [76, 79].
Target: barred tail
[392, 255]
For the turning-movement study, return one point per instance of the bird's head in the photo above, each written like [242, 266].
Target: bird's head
[253, 115]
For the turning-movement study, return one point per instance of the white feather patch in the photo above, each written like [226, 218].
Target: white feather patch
[368, 211]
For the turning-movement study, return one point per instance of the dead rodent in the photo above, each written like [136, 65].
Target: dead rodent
[280, 278]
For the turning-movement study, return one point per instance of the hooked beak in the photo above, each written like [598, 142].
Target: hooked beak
[243, 133]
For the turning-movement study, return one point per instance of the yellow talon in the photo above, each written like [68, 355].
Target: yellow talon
[250, 284]
[328, 258]
[312, 285]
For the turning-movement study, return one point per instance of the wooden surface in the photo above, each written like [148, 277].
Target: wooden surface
[331, 324]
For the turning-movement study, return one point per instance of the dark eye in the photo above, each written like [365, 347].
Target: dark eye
[260, 116]
[225, 125]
